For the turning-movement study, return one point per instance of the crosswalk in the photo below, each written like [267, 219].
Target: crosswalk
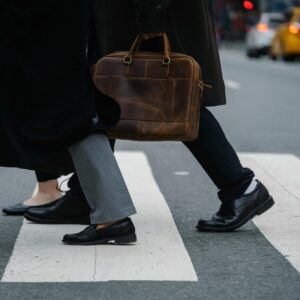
[281, 224]
[160, 254]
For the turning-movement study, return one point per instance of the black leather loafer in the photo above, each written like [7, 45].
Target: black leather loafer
[72, 208]
[238, 212]
[120, 233]
[68, 210]
[20, 209]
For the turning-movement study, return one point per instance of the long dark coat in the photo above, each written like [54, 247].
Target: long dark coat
[189, 24]
[46, 93]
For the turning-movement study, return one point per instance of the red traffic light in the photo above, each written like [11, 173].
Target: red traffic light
[248, 5]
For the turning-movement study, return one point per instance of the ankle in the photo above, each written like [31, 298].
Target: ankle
[101, 226]
[42, 198]
[48, 187]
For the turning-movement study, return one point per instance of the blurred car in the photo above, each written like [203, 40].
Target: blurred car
[286, 43]
[259, 37]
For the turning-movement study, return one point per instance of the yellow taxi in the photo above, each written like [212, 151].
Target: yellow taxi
[286, 43]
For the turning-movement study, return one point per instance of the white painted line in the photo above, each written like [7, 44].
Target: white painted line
[159, 255]
[231, 84]
[280, 225]
[182, 173]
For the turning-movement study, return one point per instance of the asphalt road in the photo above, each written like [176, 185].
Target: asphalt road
[262, 116]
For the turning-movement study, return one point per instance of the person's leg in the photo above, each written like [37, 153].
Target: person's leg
[46, 195]
[47, 191]
[242, 198]
[46, 176]
[101, 180]
[105, 191]
[218, 158]
[72, 208]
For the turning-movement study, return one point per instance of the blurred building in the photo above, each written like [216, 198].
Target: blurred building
[235, 17]
[278, 5]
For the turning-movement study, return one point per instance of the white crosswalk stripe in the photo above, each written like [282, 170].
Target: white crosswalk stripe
[280, 225]
[160, 254]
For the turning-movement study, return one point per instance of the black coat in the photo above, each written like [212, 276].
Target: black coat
[46, 93]
[47, 99]
[189, 24]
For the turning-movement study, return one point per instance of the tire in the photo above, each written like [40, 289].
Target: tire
[285, 57]
[253, 54]
[288, 58]
[273, 57]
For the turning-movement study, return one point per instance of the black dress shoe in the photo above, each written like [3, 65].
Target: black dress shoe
[120, 233]
[20, 209]
[238, 212]
[69, 209]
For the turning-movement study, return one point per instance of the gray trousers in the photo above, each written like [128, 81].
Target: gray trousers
[101, 180]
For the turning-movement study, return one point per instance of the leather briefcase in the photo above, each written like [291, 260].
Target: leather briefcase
[159, 93]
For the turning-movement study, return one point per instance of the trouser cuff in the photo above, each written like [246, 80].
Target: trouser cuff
[103, 218]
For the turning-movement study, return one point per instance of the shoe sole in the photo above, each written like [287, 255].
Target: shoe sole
[13, 213]
[70, 221]
[122, 240]
[256, 212]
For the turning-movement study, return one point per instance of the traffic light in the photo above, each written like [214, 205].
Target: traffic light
[248, 5]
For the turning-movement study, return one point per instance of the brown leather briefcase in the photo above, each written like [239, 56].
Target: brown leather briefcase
[159, 93]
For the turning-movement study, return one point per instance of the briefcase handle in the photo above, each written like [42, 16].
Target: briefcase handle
[136, 45]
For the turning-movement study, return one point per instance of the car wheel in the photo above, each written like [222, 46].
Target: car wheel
[273, 57]
[285, 57]
[288, 58]
[253, 54]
